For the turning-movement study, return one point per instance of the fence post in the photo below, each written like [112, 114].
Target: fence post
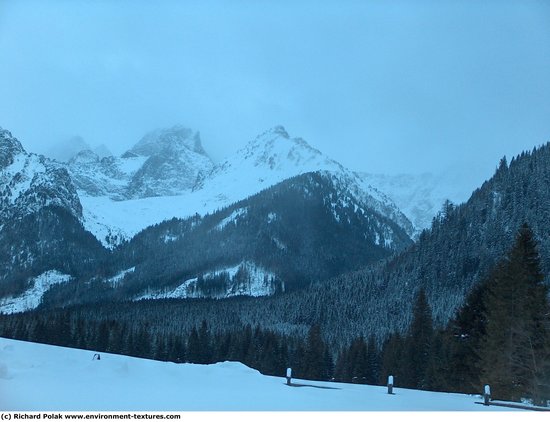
[390, 384]
[486, 395]
[288, 376]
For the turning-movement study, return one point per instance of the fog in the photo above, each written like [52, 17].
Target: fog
[383, 87]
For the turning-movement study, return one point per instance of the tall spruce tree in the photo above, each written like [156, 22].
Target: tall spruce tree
[464, 336]
[315, 356]
[514, 351]
[419, 343]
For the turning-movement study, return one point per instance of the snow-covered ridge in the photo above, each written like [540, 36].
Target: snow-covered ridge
[244, 279]
[32, 297]
[39, 377]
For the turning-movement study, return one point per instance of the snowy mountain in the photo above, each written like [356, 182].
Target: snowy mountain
[365, 224]
[265, 161]
[419, 196]
[175, 161]
[41, 230]
[163, 163]
[39, 377]
[29, 182]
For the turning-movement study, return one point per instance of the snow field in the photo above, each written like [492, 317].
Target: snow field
[37, 377]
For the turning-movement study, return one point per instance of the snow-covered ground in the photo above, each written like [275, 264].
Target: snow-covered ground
[41, 378]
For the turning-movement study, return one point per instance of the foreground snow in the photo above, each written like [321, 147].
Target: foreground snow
[42, 377]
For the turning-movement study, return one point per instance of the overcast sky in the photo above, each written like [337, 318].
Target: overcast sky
[390, 87]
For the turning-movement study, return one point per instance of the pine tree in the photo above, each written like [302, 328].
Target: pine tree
[315, 357]
[358, 361]
[419, 343]
[463, 337]
[194, 352]
[204, 343]
[514, 350]
[373, 364]
[393, 360]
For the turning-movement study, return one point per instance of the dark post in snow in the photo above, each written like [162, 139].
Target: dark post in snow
[390, 384]
[288, 376]
[486, 395]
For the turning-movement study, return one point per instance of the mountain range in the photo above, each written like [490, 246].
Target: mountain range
[70, 225]
[278, 219]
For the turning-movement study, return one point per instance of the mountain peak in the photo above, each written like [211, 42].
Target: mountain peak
[85, 156]
[168, 140]
[9, 147]
[279, 130]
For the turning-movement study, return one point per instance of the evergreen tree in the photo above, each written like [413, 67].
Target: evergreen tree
[419, 343]
[437, 372]
[514, 350]
[373, 364]
[194, 352]
[393, 360]
[358, 361]
[463, 338]
[204, 344]
[315, 360]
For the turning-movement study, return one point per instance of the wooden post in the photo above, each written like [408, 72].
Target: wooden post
[390, 384]
[288, 376]
[486, 395]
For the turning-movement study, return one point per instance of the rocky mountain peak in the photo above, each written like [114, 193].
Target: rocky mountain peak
[162, 141]
[84, 157]
[9, 148]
